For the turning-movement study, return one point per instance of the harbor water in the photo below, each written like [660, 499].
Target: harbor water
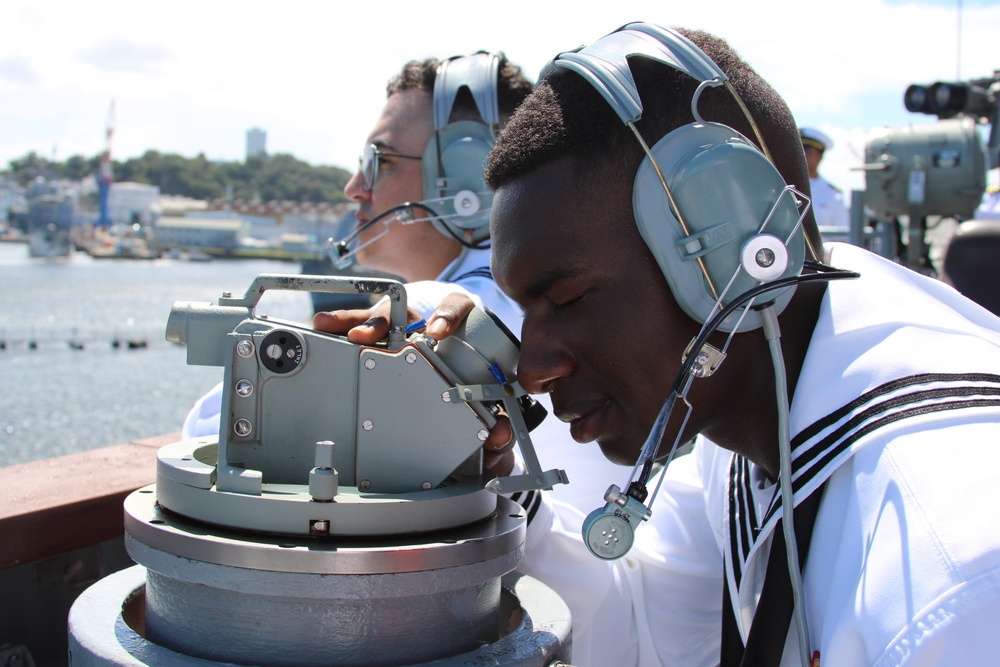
[84, 363]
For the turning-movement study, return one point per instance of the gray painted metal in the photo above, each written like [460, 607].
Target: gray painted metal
[105, 628]
[147, 523]
[233, 598]
[290, 509]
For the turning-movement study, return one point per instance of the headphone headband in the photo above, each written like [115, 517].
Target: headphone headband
[477, 72]
[604, 63]
[454, 157]
[704, 197]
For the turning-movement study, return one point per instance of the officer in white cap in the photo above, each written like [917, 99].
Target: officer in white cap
[827, 199]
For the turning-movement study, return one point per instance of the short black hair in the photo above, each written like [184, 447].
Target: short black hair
[512, 86]
[565, 117]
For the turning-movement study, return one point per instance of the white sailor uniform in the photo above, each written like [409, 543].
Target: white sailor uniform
[897, 412]
[828, 206]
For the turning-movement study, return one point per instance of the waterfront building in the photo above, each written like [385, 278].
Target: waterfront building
[130, 203]
[200, 232]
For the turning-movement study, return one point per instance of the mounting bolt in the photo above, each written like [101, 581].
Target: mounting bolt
[242, 427]
[764, 257]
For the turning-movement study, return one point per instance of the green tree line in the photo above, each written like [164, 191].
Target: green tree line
[275, 177]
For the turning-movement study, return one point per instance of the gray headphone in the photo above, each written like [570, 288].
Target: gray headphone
[711, 207]
[454, 158]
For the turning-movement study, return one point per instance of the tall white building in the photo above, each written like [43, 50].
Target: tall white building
[256, 142]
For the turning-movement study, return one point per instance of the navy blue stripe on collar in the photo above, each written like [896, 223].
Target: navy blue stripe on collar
[481, 272]
[816, 458]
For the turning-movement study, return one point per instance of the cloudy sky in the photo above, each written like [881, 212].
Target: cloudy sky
[191, 77]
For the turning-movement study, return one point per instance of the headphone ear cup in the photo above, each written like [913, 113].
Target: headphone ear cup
[725, 189]
[453, 164]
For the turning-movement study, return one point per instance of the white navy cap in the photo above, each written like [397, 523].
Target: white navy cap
[815, 139]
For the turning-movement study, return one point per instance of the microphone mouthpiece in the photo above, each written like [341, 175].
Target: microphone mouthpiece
[341, 255]
[608, 532]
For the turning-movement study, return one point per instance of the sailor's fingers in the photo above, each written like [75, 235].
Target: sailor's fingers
[341, 321]
[449, 315]
[498, 449]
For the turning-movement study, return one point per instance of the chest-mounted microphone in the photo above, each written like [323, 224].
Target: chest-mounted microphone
[610, 531]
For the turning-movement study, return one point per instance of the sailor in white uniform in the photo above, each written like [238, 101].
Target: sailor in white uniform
[827, 200]
[893, 422]
[896, 433]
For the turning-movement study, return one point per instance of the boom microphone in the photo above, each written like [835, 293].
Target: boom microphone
[342, 251]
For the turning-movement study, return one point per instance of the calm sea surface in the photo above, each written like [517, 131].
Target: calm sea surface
[57, 400]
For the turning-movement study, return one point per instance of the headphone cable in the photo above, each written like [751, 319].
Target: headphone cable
[823, 273]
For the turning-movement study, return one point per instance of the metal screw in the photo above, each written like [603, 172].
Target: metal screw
[244, 348]
[365, 485]
[446, 397]
[244, 387]
[482, 434]
[410, 357]
[764, 257]
[368, 424]
[369, 363]
[242, 427]
[425, 486]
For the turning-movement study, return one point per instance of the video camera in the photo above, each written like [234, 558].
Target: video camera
[976, 98]
[936, 169]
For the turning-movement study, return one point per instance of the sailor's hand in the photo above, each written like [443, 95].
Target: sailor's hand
[498, 450]
[364, 326]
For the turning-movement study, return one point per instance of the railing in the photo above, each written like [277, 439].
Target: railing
[61, 529]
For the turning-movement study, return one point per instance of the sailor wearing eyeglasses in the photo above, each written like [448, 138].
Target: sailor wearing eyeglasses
[419, 175]
[428, 236]
[423, 210]
[423, 214]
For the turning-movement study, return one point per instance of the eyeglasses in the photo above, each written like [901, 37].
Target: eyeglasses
[368, 163]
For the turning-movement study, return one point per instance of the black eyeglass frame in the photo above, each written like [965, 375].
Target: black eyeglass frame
[369, 170]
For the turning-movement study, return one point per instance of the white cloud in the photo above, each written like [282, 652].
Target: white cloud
[17, 70]
[191, 77]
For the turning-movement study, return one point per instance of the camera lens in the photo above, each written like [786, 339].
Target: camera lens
[915, 99]
[947, 97]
